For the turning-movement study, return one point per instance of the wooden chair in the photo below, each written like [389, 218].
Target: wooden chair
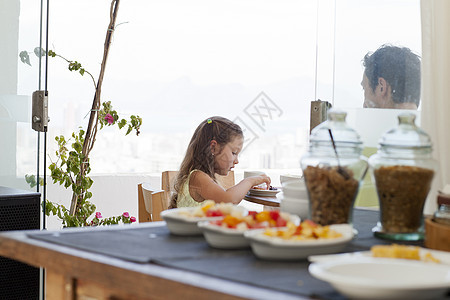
[168, 180]
[151, 203]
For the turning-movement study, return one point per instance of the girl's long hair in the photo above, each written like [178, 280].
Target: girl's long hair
[198, 154]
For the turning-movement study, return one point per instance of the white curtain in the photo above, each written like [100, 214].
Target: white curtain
[436, 88]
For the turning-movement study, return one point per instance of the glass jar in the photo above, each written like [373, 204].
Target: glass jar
[442, 214]
[333, 171]
[402, 171]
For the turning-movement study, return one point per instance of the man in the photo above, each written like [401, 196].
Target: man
[391, 78]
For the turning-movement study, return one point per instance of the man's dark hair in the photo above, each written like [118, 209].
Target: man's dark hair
[399, 67]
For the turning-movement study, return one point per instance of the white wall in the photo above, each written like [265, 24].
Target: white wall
[9, 35]
[112, 194]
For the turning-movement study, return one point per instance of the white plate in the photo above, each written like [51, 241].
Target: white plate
[267, 247]
[384, 278]
[229, 238]
[263, 193]
[180, 222]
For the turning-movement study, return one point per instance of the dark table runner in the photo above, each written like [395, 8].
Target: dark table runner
[157, 245]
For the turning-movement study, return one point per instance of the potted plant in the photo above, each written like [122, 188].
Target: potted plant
[72, 167]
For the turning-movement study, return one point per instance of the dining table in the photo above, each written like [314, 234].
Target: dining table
[146, 261]
[268, 201]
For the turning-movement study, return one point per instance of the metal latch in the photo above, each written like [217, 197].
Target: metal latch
[319, 110]
[39, 108]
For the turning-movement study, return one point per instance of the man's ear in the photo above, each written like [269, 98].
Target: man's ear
[382, 86]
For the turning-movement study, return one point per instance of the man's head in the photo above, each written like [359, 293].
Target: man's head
[391, 78]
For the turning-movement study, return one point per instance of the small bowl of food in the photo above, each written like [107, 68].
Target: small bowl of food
[183, 220]
[228, 233]
[296, 242]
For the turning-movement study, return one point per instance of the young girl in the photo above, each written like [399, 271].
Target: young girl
[213, 149]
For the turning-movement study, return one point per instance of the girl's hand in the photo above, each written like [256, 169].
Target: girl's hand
[260, 179]
[202, 187]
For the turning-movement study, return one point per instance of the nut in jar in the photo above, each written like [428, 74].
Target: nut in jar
[402, 191]
[331, 194]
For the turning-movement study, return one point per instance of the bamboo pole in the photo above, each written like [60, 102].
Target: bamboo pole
[91, 131]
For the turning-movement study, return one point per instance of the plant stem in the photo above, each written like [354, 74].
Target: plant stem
[69, 61]
[91, 131]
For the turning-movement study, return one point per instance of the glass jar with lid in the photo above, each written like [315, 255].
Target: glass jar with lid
[402, 170]
[333, 169]
[442, 214]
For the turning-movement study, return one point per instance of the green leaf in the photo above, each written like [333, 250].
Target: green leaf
[39, 52]
[67, 182]
[122, 123]
[31, 180]
[24, 57]
[74, 169]
[77, 147]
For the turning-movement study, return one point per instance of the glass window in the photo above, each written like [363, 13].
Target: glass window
[175, 63]
[19, 31]
[362, 27]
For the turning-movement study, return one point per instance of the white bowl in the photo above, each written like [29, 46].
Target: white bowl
[223, 238]
[285, 178]
[295, 189]
[229, 238]
[181, 222]
[268, 247]
[295, 206]
[384, 278]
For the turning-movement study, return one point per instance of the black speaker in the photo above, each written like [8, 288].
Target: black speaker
[19, 210]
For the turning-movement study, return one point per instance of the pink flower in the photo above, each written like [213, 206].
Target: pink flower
[133, 219]
[98, 215]
[109, 119]
[126, 214]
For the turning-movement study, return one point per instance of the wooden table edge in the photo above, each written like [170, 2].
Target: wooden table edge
[142, 280]
[267, 201]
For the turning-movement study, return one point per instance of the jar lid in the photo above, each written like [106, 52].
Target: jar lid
[342, 134]
[406, 134]
[443, 199]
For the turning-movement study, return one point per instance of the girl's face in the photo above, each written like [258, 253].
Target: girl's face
[227, 156]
